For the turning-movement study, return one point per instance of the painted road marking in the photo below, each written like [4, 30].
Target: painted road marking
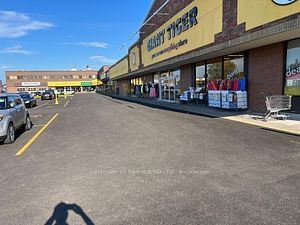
[26, 146]
[39, 125]
[41, 105]
[66, 103]
[36, 116]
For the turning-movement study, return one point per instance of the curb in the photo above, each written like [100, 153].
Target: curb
[155, 106]
[200, 114]
[280, 131]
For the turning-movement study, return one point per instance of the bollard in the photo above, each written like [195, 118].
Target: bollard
[56, 99]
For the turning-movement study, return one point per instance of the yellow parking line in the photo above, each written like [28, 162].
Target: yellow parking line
[26, 146]
[42, 105]
[66, 103]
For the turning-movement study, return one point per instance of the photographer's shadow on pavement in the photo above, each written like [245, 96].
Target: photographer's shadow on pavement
[60, 214]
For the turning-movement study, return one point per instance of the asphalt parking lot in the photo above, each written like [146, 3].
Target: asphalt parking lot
[104, 161]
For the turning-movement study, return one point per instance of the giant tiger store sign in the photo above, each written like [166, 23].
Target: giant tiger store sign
[193, 27]
[182, 24]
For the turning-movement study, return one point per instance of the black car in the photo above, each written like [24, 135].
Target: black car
[28, 99]
[48, 95]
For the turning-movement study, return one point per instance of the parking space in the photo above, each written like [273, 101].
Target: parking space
[40, 116]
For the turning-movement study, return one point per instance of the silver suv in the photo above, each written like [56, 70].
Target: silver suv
[13, 116]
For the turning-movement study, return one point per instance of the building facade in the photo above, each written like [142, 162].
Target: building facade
[32, 81]
[252, 46]
[102, 76]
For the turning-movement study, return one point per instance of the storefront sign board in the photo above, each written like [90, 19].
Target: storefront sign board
[256, 13]
[193, 27]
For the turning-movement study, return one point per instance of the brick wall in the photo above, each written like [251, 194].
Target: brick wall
[147, 78]
[172, 8]
[186, 77]
[230, 28]
[265, 74]
[11, 89]
[122, 85]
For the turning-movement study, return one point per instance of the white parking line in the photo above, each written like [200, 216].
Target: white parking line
[66, 103]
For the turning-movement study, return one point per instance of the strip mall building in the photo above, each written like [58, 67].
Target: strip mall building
[188, 43]
[32, 81]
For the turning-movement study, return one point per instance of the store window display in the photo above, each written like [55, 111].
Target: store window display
[214, 69]
[292, 75]
[224, 81]
[200, 76]
[234, 66]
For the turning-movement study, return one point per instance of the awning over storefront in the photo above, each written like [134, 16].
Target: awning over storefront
[105, 79]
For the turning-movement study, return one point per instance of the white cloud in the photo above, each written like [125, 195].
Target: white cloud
[103, 59]
[88, 44]
[5, 67]
[14, 24]
[17, 49]
[94, 44]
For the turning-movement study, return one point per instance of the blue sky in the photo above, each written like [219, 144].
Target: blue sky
[66, 34]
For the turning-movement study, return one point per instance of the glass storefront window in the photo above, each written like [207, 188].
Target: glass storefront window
[164, 74]
[135, 81]
[176, 74]
[234, 66]
[200, 75]
[229, 67]
[156, 78]
[292, 86]
[214, 69]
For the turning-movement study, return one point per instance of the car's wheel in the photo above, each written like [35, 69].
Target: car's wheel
[28, 124]
[11, 134]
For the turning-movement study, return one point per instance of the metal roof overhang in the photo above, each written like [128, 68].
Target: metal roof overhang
[277, 33]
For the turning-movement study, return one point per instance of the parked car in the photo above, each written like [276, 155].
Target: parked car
[48, 95]
[28, 99]
[36, 93]
[13, 116]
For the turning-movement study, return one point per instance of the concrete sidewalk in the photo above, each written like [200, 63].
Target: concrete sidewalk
[289, 126]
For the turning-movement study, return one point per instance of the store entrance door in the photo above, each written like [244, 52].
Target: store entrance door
[167, 89]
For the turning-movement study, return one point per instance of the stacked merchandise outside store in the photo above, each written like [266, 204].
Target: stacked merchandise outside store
[228, 94]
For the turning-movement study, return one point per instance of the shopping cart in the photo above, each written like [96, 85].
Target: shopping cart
[277, 103]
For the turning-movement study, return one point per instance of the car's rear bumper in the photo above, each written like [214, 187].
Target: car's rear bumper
[47, 98]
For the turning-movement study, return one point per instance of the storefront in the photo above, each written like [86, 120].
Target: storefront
[292, 76]
[236, 52]
[74, 86]
[39, 81]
